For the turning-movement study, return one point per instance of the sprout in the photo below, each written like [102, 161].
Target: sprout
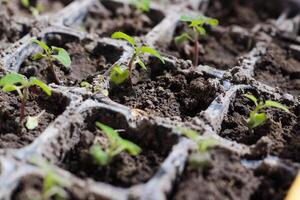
[35, 10]
[141, 5]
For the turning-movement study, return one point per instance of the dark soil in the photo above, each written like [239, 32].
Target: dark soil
[10, 31]
[278, 136]
[112, 17]
[280, 68]
[12, 135]
[247, 13]
[226, 178]
[88, 60]
[167, 92]
[219, 48]
[125, 170]
[15, 8]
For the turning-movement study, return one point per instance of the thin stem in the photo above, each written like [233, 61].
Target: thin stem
[196, 50]
[130, 65]
[50, 66]
[22, 107]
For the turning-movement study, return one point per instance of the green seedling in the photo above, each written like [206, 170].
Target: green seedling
[141, 5]
[119, 75]
[53, 183]
[96, 86]
[116, 145]
[196, 25]
[258, 118]
[19, 83]
[35, 10]
[52, 54]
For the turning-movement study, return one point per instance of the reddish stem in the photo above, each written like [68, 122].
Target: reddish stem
[196, 51]
[56, 79]
[22, 107]
[130, 68]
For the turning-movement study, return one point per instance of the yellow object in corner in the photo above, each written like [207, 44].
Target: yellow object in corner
[294, 192]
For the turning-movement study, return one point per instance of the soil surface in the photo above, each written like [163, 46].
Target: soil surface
[112, 17]
[125, 170]
[10, 31]
[277, 136]
[168, 93]
[219, 48]
[12, 135]
[245, 13]
[225, 177]
[280, 68]
[88, 60]
[15, 8]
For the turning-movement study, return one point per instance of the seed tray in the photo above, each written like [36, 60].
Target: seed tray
[258, 52]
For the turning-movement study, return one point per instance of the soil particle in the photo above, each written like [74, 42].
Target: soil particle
[278, 135]
[280, 68]
[219, 48]
[167, 93]
[12, 135]
[86, 62]
[227, 178]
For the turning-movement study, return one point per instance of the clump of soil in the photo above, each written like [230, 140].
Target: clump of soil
[88, 59]
[124, 170]
[277, 136]
[10, 31]
[167, 92]
[226, 178]
[247, 13]
[111, 17]
[12, 134]
[280, 68]
[219, 48]
[15, 8]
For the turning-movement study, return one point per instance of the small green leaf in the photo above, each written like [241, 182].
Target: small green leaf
[130, 147]
[41, 44]
[25, 3]
[212, 22]
[183, 37]
[124, 36]
[256, 119]
[10, 88]
[141, 63]
[118, 75]
[274, 104]
[188, 133]
[186, 18]
[42, 85]
[99, 155]
[206, 144]
[38, 56]
[201, 30]
[109, 132]
[12, 78]
[63, 56]
[153, 52]
[252, 98]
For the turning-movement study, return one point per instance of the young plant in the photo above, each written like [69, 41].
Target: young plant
[52, 54]
[53, 184]
[258, 118]
[35, 10]
[141, 5]
[103, 156]
[119, 75]
[19, 83]
[196, 25]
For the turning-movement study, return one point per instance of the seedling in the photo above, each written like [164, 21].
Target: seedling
[19, 83]
[35, 10]
[196, 25]
[116, 145]
[52, 54]
[141, 5]
[119, 75]
[53, 183]
[256, 118]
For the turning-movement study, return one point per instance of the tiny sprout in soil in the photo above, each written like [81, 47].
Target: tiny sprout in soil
[119, 75]
[141, 5]
[103, 156]
[196, 25]
[19, 83]
[256, 118]
[53, 184]
[52, 54]
[35, 10]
